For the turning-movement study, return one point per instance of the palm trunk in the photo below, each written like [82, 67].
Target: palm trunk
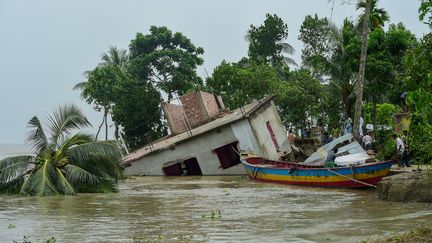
[359, 88]
[116, 130]
[99, 129]
[374, 116]
[106, 123]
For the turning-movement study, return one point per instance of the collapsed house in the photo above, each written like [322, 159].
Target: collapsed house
[206, 139]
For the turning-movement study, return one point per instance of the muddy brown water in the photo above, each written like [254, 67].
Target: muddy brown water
[207, 209]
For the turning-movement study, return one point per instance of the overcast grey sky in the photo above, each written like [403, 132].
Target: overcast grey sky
[46, 45]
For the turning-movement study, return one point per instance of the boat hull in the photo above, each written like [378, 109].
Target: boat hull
[339, 177]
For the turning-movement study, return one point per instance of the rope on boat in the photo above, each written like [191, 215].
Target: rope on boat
[361, 182]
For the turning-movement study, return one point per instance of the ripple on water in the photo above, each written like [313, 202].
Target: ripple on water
[201, 209]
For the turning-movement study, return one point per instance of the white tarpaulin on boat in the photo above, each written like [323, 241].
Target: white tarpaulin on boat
[351, 153]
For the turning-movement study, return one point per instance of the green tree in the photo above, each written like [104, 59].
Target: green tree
[240, 83]
[137, 110]
[315, 33]
[418, 77]
[332, 55]
[65, 162]
[167, 60]
[384, 65]
[100, 90]
[298, 99]
[99, 87]
[425, 11]
[266, 42]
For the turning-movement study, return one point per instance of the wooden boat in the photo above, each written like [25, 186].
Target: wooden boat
[355, 176]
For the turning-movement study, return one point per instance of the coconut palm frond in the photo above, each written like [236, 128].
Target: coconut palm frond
[64, 120]
[89, 151]
[79, 86]
[77, 139]
[115, 56]
[99, 158]
[63, 184]
[290, 61]
[287, 48]
[334, 32]
[37, 137]
[12, 186]
[77, 175]
[97, 181]
[14, 167]
[361, 4]
[40, 183]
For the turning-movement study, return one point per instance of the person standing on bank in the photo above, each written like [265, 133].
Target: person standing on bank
[401, 152]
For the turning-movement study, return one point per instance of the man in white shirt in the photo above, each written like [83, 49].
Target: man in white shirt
[367, 141]
[401, 151]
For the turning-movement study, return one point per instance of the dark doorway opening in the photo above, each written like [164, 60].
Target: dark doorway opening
[173, 170]
[189, 167]
[192, 167]
[228, 155]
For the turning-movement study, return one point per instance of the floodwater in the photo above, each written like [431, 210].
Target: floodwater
[207, 209]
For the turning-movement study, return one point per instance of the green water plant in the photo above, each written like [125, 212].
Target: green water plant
[64, 161]
[213, 215]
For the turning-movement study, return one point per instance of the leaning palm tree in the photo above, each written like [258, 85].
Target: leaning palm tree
[64, 162]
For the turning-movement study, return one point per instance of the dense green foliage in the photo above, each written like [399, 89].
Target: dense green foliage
[64, 162]
[166, 60]
[418, 78]
[138, 112]
[130, 86]
[240, 83]
[426, 12]
[266, 42]
[298, 99]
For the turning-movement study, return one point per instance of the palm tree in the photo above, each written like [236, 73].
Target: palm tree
[65, 162]
[116, 57]
[363, 55]
[377, 16]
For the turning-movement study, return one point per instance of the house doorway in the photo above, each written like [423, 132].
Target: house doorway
[189, 167]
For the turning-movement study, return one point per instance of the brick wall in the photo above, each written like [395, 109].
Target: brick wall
[176, 117]
[198, 107]
[210, 104]
[194, 109]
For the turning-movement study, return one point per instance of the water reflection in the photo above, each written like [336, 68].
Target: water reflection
[216, 209]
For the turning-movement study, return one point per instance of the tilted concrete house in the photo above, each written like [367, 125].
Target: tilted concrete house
[206, 141]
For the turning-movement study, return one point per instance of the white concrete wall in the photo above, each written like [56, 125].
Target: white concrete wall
[247, 140]
[199, 147]
[263, 135]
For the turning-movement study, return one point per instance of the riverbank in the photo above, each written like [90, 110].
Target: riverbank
[420, 234]
[413, 184]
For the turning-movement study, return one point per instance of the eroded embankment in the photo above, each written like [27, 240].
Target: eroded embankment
[407, 187]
